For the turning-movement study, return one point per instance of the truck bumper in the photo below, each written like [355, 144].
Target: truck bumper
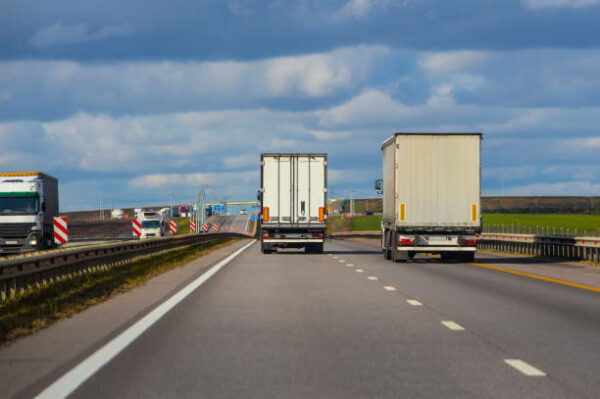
[423, 249]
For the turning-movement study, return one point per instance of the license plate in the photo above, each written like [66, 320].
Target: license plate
[7, 242]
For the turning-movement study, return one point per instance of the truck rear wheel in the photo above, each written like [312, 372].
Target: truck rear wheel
[265, 250]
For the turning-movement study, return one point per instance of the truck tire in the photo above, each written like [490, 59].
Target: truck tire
[265, 250]
[467, 257]
[399, 256]
[387, 250]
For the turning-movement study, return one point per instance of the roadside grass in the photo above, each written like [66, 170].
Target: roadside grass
[585, 224]
[39, 308]
[366, 223]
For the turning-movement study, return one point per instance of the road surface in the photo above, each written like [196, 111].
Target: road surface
[348, 324]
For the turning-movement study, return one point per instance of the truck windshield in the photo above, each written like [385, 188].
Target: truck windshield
[150, 224]
[19, 205]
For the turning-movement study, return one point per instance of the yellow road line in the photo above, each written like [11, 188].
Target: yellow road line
[535, 276]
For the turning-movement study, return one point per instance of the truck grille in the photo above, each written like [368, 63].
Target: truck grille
[15, 230]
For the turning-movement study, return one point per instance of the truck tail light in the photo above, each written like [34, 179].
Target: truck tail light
[406, 240]
[265, 214]
[281, 235]
[469, 242]
[317, 235]
[267, 235]
[321, 214]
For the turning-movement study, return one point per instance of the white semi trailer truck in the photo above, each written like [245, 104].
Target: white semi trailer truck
[28, 204]
[431, 195]
[152, 224]
[293, 200]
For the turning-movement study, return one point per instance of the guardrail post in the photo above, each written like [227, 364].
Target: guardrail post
[2, 290]
[12, 287]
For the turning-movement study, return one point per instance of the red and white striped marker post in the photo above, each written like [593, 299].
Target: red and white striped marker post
[215, 228]
[136, 227]
[61, 233]
[205, 227]
[192, 227]
[173, 227]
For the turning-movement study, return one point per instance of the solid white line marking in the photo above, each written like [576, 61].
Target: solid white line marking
[69, 382]
[372, 278]
[414, 302]
[389, 288]
[452, 325]
[359, 270]
[525, 368]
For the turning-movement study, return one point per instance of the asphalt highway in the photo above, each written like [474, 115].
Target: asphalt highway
[349, 324]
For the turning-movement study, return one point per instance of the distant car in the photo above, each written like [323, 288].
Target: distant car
[243, 212]
[368, 213]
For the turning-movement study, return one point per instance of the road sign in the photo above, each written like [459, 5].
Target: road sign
[254, 218]
[136, 227]
[219, 207]
[61, 234]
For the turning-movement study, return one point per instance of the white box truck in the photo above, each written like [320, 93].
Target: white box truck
[152, 224]
[28, 204]
[293, 199]
[431, 195]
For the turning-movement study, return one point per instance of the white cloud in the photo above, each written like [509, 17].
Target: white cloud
[194, 180]
[359, 9]
[240, 161]
[71, 34]
[452, 61]
[540, 4]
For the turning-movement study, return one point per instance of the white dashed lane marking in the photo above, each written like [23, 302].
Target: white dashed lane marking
[414, 302]
[349, 264]
[452, 325]
[389, 288]
[525, 368]
[372, 278]
[341, 261]
[359, 270]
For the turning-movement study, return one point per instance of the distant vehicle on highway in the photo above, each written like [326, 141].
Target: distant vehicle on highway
[152, 224]
[293, 198]
[28, 203]
[242, 212]
[117, 213]
[431, 195]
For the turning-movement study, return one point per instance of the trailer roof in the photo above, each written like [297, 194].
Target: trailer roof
[277, 154]
[389, 140]
[19, 174]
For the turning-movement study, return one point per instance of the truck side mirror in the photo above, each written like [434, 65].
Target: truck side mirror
[43, 206]
[258, 195]
[379, 186]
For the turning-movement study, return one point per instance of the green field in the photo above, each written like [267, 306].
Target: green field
[534, 223]
[513, 222]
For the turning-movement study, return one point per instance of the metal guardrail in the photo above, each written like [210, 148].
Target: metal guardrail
[19, 273]
[567, 247]
[583, 248]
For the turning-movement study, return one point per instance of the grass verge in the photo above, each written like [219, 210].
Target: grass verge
[590, 224]
[40, 308]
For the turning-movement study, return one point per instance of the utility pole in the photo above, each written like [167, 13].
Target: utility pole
[352, 203]
[171, 204]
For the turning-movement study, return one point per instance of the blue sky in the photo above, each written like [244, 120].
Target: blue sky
[139, 99]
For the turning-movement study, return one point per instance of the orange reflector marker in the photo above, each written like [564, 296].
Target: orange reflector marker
[321, 214]
[403, 212]
[474, 212]
[265, 214]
